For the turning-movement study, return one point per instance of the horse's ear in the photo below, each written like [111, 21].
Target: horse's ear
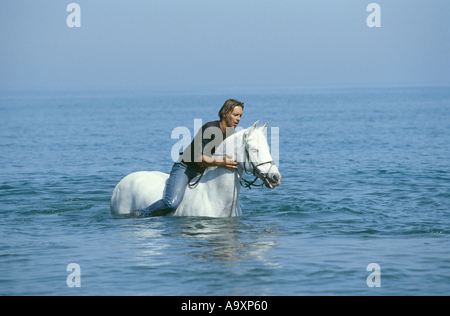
[264, 127]
[250, 130]
[253, 127]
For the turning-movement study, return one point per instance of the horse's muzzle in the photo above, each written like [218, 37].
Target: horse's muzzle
[272, 180]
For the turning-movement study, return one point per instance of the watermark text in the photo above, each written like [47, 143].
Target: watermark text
[374, 279]
[74, 278]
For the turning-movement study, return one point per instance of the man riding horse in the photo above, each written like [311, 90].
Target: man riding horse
[196, 157]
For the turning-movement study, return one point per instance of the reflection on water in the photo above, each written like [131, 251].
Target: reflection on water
[223, 240]
[148, 237]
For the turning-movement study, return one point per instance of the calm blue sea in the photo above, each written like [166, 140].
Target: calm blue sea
[366, 179]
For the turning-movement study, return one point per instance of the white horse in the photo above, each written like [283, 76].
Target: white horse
[217, 192]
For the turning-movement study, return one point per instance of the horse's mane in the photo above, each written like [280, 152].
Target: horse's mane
[222, 150]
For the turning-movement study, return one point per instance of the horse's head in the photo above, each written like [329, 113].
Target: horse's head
[258, 158]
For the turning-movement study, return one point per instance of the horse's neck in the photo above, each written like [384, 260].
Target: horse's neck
[216, 195]
[233, 146]
[222, 183]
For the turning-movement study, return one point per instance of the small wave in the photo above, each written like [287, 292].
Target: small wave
[6, 187]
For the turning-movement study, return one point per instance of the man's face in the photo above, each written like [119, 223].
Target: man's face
[233, 118]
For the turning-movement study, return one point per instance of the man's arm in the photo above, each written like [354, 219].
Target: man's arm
[227, 163]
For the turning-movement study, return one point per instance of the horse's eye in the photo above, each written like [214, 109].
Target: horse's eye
[255, 150]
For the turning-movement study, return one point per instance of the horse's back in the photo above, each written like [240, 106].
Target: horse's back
[216, 194]
[137, 191]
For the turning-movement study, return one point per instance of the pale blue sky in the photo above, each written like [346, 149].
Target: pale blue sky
[137, 44]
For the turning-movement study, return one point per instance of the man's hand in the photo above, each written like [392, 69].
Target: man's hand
[228, 163]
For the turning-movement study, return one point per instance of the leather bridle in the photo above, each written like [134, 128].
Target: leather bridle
[248, 184]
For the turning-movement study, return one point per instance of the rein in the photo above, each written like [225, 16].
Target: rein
[198, 180]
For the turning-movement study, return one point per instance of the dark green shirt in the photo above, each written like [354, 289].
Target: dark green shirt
[204, 143]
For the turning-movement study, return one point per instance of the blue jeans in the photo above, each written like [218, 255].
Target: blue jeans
[176, 185]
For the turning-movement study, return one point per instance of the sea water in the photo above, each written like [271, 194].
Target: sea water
[366, 179]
